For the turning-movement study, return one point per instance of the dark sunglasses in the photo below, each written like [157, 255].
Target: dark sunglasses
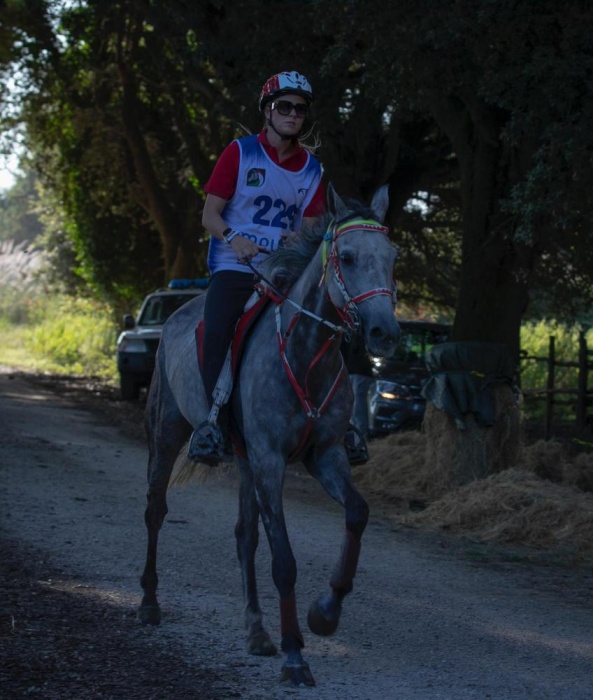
[285, 107]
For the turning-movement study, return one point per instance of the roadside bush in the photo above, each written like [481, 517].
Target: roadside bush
[49, 331]
[73, 335]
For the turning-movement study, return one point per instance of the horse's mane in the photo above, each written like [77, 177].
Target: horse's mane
[284, 267]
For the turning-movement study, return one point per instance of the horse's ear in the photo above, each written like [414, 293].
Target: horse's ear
[335, 205]
[380, 203]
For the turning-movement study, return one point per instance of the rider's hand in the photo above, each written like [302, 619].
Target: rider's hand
[244, 248]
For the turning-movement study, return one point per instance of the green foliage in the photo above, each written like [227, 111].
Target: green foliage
[50, 331]
[73, 336]
[477, 108]
[64, 336]
[535, 343]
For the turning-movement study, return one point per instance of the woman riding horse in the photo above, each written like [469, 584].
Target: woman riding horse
[261, 190]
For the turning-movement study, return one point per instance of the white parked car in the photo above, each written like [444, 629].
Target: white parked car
[138, 342]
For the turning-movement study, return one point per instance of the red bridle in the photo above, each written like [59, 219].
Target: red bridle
[349, 312]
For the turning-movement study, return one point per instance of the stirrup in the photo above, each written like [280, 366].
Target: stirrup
[356, 446]
[206, 444]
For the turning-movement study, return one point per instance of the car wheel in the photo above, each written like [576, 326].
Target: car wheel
[128, 387]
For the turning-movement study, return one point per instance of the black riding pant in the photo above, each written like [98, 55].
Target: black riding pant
[227, 295]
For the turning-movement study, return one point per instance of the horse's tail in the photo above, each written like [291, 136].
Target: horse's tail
[186, 471]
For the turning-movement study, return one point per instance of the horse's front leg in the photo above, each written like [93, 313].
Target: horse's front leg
[332, 470]
[269, 481]
[247, 536]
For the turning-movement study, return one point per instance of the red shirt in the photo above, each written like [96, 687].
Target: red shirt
[223, 181]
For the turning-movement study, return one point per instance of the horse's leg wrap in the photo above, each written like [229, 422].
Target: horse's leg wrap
[289, 624]
[341, 580]
[324, 613]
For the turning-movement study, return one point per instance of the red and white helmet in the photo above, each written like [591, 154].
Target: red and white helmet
[286, 83]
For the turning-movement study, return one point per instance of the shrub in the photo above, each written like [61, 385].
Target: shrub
[74, 335]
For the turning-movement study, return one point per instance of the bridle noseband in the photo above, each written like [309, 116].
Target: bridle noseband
[349, 311]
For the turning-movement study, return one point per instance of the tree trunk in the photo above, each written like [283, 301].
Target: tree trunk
[493, 295]
[495, 268]
[179, 238]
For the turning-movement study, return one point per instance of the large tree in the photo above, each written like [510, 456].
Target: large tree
[509, 83]
[129, 103]
[474, 111]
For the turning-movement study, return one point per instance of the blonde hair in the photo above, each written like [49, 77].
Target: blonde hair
[310, 140]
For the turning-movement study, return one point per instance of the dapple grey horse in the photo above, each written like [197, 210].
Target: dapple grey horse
[291, 402]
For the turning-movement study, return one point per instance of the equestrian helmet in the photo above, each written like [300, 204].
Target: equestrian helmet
[286, 83]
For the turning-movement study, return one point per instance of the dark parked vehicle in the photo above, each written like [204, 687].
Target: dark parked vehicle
[138, 342]
[394, 398]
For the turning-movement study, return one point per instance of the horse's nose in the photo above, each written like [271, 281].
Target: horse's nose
[385, 341]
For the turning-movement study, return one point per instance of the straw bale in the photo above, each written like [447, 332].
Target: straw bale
[459, 456]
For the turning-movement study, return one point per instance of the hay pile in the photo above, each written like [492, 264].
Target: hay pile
[543, 500]
[398, 471]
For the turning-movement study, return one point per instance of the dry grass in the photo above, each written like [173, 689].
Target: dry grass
[399, 472]
[517, 507]
[543, 499]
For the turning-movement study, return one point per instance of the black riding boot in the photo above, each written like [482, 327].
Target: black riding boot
[206, 444]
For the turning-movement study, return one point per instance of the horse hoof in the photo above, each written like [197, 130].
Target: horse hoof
[149, 615]
[324, 616]
[260, 644]
[297, 676]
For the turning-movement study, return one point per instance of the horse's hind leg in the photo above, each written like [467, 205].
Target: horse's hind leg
[333, 472]
[167, 431]
[247, 535]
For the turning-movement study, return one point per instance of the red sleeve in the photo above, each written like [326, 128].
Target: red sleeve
[223, 181]
[317, 206]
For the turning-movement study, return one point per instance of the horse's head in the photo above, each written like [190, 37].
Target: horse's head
[358, 269]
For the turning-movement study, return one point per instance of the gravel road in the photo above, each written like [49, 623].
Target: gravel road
[430, 617]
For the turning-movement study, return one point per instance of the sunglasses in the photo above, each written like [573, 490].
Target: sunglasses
[285, 107]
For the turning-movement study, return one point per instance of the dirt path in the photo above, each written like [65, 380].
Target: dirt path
[427, 620]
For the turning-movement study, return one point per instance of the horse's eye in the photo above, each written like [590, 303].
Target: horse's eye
[346, 258]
